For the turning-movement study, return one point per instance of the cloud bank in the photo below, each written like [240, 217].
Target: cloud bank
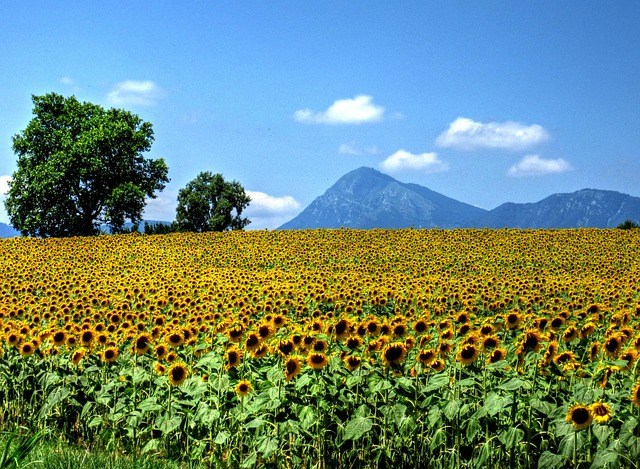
[266, 211]
[405, 161]
[357, 110]
[533, 165]
[466, 134]
[128, 92]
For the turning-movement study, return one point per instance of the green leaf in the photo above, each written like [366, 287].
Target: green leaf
[169, 425]
[604, 457]
[152, 445]
[150, 404]
[566, 447]
[602, 432]
[545, 408]
[514, 384]
[451, 409]
[436, 382]
[511, 437]
[222, 437]
[95, 421]
[473, 427]
[356, 428]
[267, 445]
[255, 423]
[57, 395]
[548, 460]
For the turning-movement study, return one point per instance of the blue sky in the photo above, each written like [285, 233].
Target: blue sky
[485, 102]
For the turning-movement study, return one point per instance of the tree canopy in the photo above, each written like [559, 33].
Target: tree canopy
[209, 203]
[81, 166]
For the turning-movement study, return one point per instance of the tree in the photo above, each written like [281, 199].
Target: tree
[209, 203]
[80, 166]
[628, 224]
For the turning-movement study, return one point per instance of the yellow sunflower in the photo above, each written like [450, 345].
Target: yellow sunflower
[601, 412]
[579, 416]
[292, 367]
[317, 361]
[467, 354]
[178, 374]
[243, 388]
[352, 362]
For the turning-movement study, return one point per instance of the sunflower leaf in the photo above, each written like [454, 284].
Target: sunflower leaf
[356, 428]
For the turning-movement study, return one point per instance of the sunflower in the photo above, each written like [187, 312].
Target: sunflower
[612, 346]
[110, 354]
[27, 349]
[393, 353]
[342, 329]
[437, 365]
[601, 411]
[243, 388]
[579, 416]
[354, 342]
[420, 326]
[161, 351]
[317, 361]
[78, 355]
[426, 356]
[570, 334]
[513, 320]
[13, 339]
[142, 344]
[235, 333]
[285, 347]
[586, 330]
[265, 331]
[87, 338]
[59, 338]
[635, 394]
[399, 330]
[292, 367]
[352, 362]
[531, 340]
[467, 354]
[260, 352]
[178, 374]
[490, 342]
[630, 356]
[234, 357]
[159, 368]
[175, 339]
[253, 342]
[171, 357]
[372, 327]
[497, 354]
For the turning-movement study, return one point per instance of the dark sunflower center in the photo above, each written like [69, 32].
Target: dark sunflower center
[580, 415]
[468, 352]
[177, 373]
[291, 367]
[393, 353]
[317, 359]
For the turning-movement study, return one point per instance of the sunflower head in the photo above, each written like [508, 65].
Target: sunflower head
[110, 355]
[178, 374]
[317, 361]
[352, 362]
[635, 394]
[467, 354]
[78, 355]
[601, 412]
[579, 416]
[243, 388]
[394, 353]
[292, 367]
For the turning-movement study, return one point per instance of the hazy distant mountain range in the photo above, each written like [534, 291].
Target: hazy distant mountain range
[365, 199]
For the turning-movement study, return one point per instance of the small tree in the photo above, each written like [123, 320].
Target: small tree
[80, 166]
[209, 203]
[628, 224]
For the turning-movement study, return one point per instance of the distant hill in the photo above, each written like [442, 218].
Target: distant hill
[586, 208]
[365, 198]
[8, 231]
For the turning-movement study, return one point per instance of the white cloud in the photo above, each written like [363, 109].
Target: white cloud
[403, 160]
[162, 208]
[352, 149]
[467, 134]
[4, 188]
[533, 165]
[144, 93]
[357, 110]
[266, 211]
[68, 81]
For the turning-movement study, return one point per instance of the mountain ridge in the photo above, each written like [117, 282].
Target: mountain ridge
[366, 198]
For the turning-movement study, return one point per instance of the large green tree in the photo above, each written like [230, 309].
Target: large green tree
[209, 203]
[81, 166]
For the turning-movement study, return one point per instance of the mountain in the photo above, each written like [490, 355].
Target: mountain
[586, 208]
[7, 231]
[365, 198]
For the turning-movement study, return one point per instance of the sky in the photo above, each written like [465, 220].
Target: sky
[485, 102]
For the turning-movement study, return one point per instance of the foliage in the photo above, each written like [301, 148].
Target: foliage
[80, 166]
[209, 203]
[329, 348]
[628, 225]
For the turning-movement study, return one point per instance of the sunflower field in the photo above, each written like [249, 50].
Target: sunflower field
[329, 348]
